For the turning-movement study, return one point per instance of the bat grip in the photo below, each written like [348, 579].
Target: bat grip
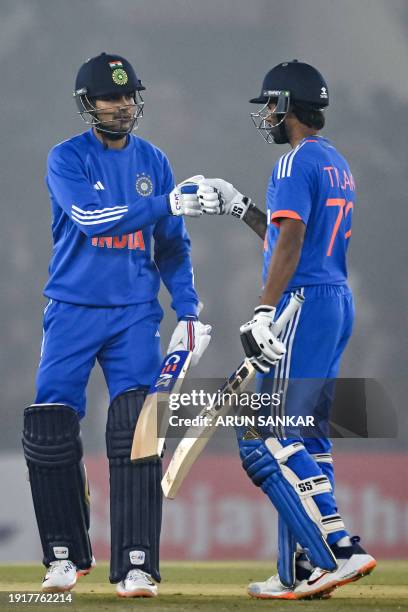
[295, 303]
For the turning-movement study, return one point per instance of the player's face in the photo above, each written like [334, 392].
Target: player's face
[272, 118]
[117, 113]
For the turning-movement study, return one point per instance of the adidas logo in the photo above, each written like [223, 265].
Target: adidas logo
[98, 186]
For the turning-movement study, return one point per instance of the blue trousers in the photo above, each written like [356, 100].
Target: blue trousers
[315, 341]
[124, 339]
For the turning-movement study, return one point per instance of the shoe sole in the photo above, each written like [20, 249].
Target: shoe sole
[326, 594]
[363, 571]
[138, 593]
[58, 589]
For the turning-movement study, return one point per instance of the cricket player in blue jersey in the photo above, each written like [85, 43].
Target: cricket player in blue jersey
[310, 200]
[113, 202]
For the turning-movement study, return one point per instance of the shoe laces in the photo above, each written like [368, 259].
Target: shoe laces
[58, 567]
[137, 573]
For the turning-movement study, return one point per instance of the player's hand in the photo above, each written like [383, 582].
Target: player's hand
[217, 197]
[261, 345]
[184, 198]
[191, 335]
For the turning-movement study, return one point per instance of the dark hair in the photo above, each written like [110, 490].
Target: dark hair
[312, 117]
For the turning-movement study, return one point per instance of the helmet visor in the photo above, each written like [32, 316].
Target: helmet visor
[115, 119]
[272, 114]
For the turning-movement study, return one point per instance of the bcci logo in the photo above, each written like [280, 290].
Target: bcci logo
[119, 75]
[323, 93]
[144, 185]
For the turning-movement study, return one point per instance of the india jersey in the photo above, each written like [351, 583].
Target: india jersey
[108, 208]
[313, 183]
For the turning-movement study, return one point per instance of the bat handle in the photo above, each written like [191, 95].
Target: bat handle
[295, 303]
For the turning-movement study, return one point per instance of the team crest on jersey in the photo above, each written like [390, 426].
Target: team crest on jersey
[144, 185]
[119, 76]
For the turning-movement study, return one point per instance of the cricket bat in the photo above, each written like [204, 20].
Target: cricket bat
[197, 438]
[152, 424]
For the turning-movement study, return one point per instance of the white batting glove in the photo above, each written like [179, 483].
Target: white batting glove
[260, 344]
[217, 197]
[193, 336]
[184, 203]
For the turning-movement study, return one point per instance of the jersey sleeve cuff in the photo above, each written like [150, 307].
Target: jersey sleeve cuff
[187, 309]
[285, 214]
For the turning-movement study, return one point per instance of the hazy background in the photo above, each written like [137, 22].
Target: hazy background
[201, 61]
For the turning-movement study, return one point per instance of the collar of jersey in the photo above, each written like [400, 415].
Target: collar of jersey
[97, 143]
[312, 138]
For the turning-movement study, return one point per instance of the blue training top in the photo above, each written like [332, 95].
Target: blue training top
[107, 204]
[313, 183]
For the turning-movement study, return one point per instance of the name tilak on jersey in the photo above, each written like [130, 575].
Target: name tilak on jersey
[344, 181]
[130, 241]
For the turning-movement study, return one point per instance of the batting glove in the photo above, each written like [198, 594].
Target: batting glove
[193, 336]
[261, 345]
[217, 197]
[184, 199]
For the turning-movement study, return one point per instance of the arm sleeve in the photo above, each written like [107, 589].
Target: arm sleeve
[172, 256]
[69, 184]
[294, 192]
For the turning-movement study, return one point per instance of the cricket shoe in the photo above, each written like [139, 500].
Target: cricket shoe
[353, 562]
[274, 589]
[137, 584]
[61, 576]
[85, 572]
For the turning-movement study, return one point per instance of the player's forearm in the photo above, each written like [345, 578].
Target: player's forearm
[283, 265]
[128, 218]
[177, 275]
[256, 220]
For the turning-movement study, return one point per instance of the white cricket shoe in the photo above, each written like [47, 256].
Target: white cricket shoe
[353, 563]
[137, 584]
[61, 576]
[272, 588]
[349, 570]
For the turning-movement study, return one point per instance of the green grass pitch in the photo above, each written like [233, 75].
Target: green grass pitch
[212, 586]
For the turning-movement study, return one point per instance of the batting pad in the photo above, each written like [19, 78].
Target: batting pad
[135, 494]
[53, 452]
[287, 546]
[264, 464]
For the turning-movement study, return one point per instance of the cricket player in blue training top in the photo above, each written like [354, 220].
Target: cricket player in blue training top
[112, 196]
[310, 200]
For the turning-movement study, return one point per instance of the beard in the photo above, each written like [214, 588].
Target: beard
[110, 133]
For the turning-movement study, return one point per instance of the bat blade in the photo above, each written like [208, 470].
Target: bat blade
[196, 438]
[152, 424]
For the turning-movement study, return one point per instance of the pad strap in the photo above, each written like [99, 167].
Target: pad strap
[323, 457]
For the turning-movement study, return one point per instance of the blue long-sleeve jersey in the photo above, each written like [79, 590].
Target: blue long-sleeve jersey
[107, 205]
